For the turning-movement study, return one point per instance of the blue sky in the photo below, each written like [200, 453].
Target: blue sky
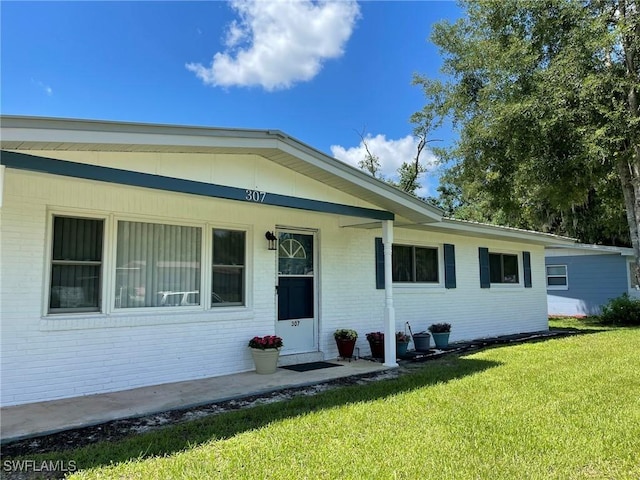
[321, 72]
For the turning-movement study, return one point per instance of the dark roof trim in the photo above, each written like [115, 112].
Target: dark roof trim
[22, 161]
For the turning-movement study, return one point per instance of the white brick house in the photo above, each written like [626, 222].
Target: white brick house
[135, 255]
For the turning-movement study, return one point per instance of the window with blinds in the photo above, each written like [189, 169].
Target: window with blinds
[157, 265]
[76, 265]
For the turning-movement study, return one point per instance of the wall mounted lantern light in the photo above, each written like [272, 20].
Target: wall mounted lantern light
[272, 240]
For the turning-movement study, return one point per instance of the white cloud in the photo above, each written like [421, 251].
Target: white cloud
[275, 44]
[45, 88]
[391, 153]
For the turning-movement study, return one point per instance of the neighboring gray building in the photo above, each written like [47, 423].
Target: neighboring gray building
[582, 278]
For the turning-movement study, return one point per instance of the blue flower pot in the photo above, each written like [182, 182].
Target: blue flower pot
[401, 348]
[441, 339]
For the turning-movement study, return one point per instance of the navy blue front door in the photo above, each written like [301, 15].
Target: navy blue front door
[295, 298]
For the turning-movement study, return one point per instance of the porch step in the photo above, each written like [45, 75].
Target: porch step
[296, 358]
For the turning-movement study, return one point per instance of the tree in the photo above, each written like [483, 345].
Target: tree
[370, 163]
[544, 96]
[408, 172]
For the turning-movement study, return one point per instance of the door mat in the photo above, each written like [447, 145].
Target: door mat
[305, 367]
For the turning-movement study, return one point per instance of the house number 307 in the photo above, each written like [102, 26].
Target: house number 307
[254, 196]
[295, 323]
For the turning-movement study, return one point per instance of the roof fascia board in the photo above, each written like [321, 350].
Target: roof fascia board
[602, 249]
[127, 128]
[483, 230]
[135, 138]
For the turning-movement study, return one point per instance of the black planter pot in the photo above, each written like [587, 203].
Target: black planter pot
[377, 349]
[422, 341]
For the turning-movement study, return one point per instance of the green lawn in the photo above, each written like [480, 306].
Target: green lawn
[565, 408]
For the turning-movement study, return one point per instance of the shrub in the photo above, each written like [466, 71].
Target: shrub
[622, 310]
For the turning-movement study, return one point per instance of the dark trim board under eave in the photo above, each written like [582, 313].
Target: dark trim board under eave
[23, 161]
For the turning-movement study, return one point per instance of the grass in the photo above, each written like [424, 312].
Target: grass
[559, 409]
[579, 323]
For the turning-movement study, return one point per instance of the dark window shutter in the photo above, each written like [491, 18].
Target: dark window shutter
[485, 272]
[449, 265]
[526, 261]
[379, 264]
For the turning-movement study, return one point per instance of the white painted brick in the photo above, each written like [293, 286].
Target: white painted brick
[48, 358]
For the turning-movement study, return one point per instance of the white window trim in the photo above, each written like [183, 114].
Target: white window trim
[48, 261]
[111, 309]
[423, 285]
[520, 261]
[566, 276]
[109, 316]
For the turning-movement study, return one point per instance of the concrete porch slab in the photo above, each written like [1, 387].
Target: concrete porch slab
[35, 419]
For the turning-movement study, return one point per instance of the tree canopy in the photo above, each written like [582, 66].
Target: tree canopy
[544, 96]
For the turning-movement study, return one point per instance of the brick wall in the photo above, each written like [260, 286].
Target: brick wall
[48, 357]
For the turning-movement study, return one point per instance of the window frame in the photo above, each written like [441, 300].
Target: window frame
[565, 276]
[50, 262]
[242, 268]
[107, 287]
[112, 309]
[413, 282]
[519, 268]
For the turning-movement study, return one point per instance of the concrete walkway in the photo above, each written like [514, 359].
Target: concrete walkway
[34, 419]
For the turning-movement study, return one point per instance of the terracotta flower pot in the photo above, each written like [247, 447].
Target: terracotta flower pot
[345, 347]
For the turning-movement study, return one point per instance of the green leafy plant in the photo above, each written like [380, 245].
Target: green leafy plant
[402, 337]
[440, 327]
[345, 334]
[622, 310]
[266, 342]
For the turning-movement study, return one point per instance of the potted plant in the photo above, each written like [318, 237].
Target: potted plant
[422, 341]
[346, 341]
[440, 332]
[265, 351]
[402, 343]
[376, 343]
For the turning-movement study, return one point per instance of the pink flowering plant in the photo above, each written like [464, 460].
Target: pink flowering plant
[402, 337]
[266, 342]
[375, 336]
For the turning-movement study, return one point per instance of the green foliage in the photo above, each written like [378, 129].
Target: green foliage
[557, 409]
[621, 311]
[345, 334]
[542, 95]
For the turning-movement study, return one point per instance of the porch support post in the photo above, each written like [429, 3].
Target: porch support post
[2, 169]
[389, 312]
